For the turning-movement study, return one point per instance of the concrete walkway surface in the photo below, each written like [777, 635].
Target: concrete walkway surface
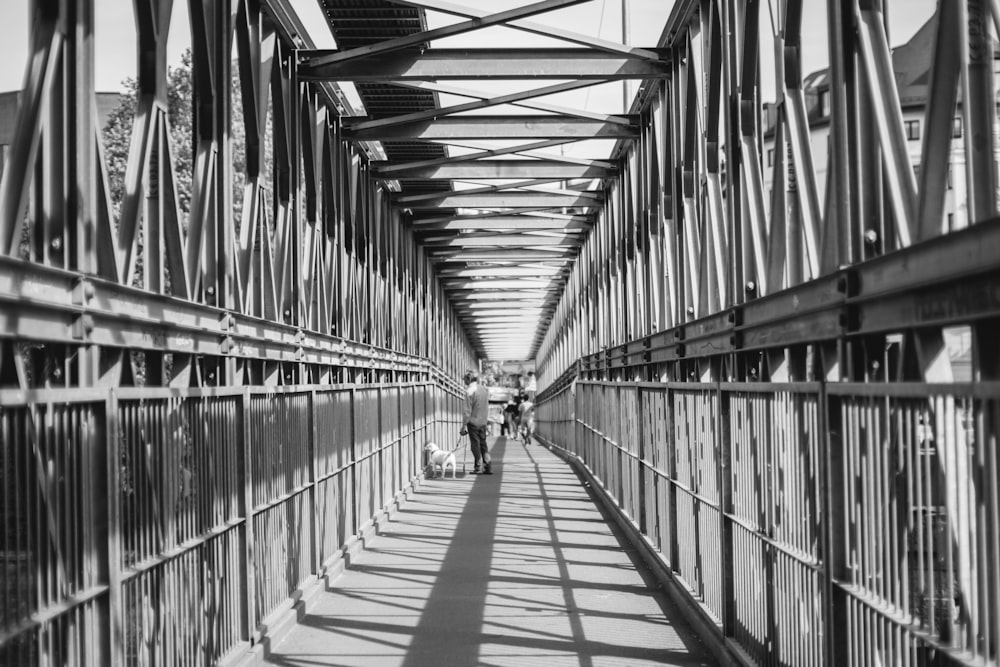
[515, 568]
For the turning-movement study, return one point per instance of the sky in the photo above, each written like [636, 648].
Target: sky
[115, 31]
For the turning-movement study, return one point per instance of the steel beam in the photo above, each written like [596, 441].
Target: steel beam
[547, 31]
[500, 127]
[491, 169]
[438, 64]
[417, 39]
[523, 98]
[499, 200]
[550, 253]
[509, 222]
[515, 240]
[499, 272]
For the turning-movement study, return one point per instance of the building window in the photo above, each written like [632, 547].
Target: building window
[912, 130]
[956, 127]
[823, 103]
[949, 177]
[770, 157]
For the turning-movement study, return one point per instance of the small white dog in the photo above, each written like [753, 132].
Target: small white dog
[440, 459]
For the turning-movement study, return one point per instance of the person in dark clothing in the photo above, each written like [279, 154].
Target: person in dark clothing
[509, 418]
[474, 419]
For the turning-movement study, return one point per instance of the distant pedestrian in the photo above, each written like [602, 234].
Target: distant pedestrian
[527, 419]
[531, 386]
[474, 420]
[510, 414]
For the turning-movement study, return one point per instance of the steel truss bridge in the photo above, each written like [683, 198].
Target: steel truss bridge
[212, 380]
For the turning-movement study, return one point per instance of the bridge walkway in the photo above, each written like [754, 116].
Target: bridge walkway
[517, 568]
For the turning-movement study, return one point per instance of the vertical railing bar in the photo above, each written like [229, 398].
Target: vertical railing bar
[835, 616]
[726, 508]
[313, 461]
[245, 481]
[114, 616]
[354, 477]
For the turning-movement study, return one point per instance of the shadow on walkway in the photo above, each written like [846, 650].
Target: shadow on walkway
[515, 568]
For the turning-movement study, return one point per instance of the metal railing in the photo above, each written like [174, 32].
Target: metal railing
[162, 526]
[813, 523]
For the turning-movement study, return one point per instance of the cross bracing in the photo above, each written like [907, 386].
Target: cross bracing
[514, 192]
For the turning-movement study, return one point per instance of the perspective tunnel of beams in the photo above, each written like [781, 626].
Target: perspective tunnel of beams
[492, 185]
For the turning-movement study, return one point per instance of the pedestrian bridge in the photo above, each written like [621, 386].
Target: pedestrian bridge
[761, 293]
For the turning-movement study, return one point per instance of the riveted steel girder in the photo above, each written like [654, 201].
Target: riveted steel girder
[491, 169]
[496, 128]
[501, 200]
[508, 222]
[436, 64]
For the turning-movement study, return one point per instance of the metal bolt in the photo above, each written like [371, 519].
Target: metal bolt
[751, 286]
[871, 236]
[56, 243]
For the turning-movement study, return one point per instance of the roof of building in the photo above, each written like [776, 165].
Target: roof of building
[911, 64]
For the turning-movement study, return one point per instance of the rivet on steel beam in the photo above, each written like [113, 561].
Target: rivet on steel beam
[56, 243]
[88, 290]
[750, 287]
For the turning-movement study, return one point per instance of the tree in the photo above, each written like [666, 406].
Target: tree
[117, 136]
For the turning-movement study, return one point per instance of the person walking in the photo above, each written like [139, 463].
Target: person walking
[510, 414]
[527, 419]
[474, 420]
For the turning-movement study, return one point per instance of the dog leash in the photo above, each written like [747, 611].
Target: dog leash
[465, 453]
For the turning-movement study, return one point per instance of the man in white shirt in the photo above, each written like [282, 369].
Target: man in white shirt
[474, 420]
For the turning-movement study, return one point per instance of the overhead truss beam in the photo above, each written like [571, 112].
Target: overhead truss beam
[508, 222]
[439, 64]
[426, 36]
[491, 169]
[498, 200]
[496, 128]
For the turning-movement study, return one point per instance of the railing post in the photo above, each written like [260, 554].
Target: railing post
[671, 469]
[355, 502]
[113, 620]
[723, 428]
[248, 594]
[641, 452]
[835, 609]
[317, 549]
